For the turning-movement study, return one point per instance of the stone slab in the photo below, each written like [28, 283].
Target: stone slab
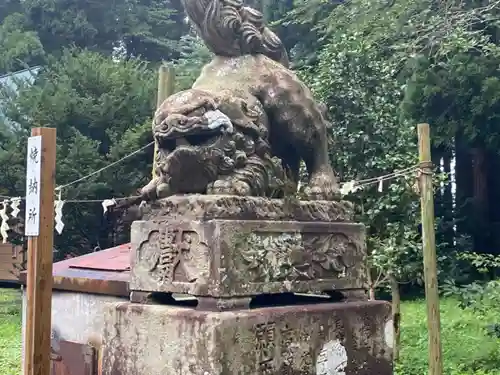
[321, 339]
[230, 207]
[238, 258]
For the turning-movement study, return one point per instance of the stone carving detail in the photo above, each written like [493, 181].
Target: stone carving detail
[227, 207]
[282, 346]
[365, 331]
[339, 328]
[229, 28]
[175, 255]
[287, 343]
[271, 257]
[248, 120]
[233, 259]
[265, 335]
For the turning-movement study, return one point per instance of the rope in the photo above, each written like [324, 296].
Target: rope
[104, 168]
[358, 184]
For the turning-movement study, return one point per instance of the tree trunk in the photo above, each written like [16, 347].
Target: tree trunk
[396, 315]
[371, 287]
[448, 211]
[437, 156]
[480, 201]
[494, 196]
[463, 173]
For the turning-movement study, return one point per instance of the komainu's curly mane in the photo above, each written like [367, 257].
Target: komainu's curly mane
[231, 29]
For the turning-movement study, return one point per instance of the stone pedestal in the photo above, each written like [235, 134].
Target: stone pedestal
[228, 258]
[246, 263]
[321, 339]
[228, 247]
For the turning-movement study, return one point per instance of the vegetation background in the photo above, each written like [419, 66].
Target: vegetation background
[381, 66]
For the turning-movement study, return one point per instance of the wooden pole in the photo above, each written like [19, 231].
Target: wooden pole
[166, 87]
[396, 316]
[429, 249]
[39, 219]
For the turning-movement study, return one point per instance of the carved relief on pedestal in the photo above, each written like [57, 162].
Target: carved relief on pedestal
[295, 256]
[174, 255]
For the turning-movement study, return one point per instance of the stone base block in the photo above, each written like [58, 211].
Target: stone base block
[231, 207]
[239, 258]
[322, 339]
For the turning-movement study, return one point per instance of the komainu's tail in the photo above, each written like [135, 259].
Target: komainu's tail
[230, 29]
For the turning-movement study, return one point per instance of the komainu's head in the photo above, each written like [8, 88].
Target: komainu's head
[190, 118]
[210, 143]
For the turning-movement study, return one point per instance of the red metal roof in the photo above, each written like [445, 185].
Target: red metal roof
[113, 259]
[102, 272]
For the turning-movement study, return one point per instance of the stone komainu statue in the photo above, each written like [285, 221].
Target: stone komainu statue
[244, 112]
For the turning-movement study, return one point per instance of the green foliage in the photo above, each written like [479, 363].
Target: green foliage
[367, 57]
[362, 90]
[193, 55]
[457, 91]
[101, 109]
[155, 29]
[149, 29]
[20, 47]
[299, 31]
[434, 87]
[62, 23]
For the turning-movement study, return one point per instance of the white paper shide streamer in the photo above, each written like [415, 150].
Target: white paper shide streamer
[4, 227]
[106, 204]
[348, 187]
[14, 205]
[58, 207]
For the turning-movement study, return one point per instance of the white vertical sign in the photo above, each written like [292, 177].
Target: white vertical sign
[33, 179]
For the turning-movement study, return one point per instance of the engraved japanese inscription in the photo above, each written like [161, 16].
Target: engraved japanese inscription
[174, 255]
[296, 256]
[295, 350]
[365, 323]
[265, 337]
[287, 345]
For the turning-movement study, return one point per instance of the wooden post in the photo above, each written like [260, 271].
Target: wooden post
[40, 231]
[396, 316]
[429, 249]
[166, 87]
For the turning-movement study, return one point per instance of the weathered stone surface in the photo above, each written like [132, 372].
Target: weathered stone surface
[231, 258]
[246, 120]
[321, 339]
[230, 207]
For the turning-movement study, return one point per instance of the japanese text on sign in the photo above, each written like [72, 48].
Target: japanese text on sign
[33, 176]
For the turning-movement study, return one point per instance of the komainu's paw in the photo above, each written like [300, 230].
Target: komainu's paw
[229, 187]
[323, 186]
[156, 189]
[148, 192]
[163, 190]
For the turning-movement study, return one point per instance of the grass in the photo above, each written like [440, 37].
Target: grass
[10, 332]
[466, 348]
